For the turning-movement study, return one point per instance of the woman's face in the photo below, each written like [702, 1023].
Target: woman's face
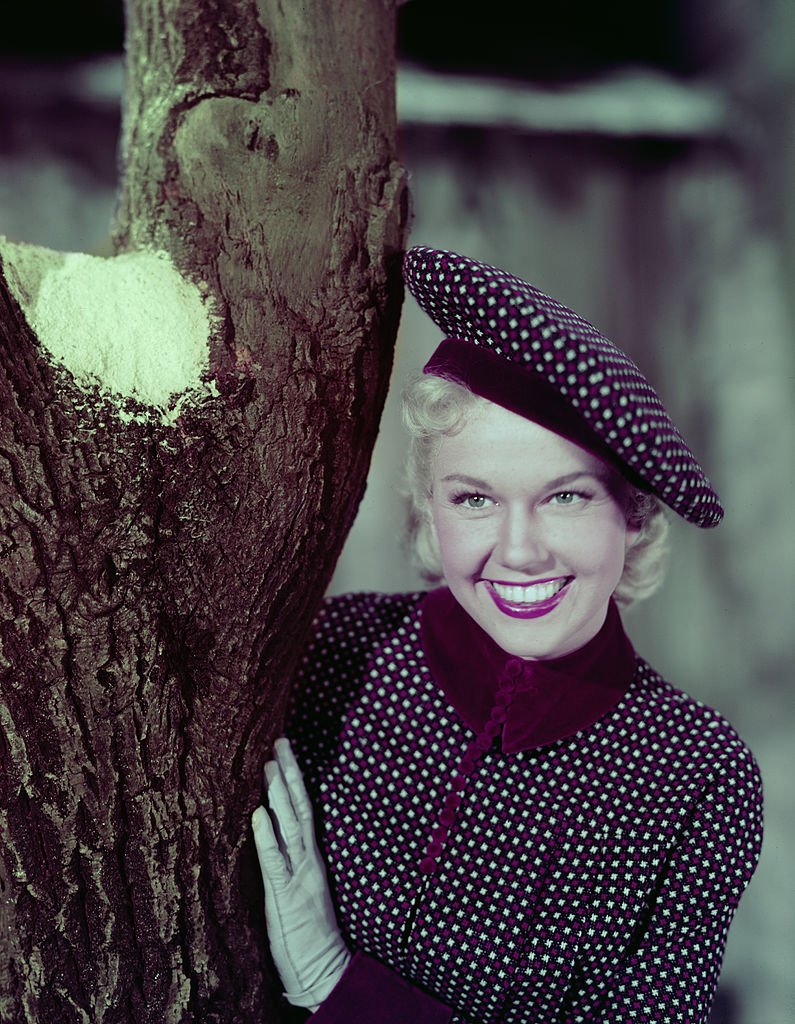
[531, 530]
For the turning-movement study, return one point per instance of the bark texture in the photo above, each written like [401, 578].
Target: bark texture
[157, 580]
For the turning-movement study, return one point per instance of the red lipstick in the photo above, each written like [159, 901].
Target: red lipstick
[526, 609]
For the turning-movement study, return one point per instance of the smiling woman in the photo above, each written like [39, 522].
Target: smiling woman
[520, 820]
[435, 408]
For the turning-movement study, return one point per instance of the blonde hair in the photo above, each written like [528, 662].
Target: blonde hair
[434, 407]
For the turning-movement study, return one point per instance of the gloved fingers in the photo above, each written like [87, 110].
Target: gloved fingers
[274, 870]
[289, 828]
[294, 781]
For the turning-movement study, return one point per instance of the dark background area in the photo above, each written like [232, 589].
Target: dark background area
[569, 39]
[55, 30]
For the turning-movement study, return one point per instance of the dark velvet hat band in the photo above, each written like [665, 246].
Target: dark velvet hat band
[488, 375]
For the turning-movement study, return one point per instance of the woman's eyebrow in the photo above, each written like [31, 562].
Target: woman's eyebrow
[559, 481]
[470, 480]
[571, 477]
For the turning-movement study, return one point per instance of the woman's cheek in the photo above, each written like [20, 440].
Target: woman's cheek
[448, 535]
[465, 543]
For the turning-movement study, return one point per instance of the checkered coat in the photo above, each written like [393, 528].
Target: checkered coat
[592, 878]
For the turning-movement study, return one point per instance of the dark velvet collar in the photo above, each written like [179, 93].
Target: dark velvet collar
[553, 699]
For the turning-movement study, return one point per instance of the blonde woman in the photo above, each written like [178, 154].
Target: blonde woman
[507, 814]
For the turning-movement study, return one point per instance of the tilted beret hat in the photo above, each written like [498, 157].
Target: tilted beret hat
[514, 345]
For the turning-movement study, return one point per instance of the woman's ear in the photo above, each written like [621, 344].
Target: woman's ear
[632, 536]
[636, 510]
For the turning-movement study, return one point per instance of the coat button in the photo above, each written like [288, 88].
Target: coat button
[483, 742]
[492, 728]
[528, 679]
[428, 865]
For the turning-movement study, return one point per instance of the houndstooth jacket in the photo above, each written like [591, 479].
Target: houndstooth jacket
[505, 847]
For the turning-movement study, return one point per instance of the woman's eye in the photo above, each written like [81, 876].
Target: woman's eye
[473, 501]
[568, 497]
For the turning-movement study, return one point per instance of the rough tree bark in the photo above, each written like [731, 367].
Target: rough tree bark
[158, 573]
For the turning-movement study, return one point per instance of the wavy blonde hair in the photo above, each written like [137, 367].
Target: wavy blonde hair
[434, 407]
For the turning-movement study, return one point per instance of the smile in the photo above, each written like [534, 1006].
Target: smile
[528, 600]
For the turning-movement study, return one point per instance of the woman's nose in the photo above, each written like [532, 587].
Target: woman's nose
[521, 543]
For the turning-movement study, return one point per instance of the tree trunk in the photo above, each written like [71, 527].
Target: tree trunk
[161, 557]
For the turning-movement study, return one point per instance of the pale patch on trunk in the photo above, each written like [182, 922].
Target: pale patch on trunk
[131, 323]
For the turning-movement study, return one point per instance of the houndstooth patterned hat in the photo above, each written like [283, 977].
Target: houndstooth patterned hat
[517, 347]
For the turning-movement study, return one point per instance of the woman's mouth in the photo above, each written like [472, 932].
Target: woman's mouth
[528, 600]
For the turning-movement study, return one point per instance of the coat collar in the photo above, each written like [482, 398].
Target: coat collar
[549, 700]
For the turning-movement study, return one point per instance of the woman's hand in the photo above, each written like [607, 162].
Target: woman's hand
[307, 948]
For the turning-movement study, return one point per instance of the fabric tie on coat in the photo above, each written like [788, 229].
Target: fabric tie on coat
[528, 703]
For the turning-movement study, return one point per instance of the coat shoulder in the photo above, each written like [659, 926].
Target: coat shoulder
[348, 637]
[679, 733]
[352, 624]
[676, 714]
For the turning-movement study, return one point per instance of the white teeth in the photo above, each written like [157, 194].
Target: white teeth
[528, 594]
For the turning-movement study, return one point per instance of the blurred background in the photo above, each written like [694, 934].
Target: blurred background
[635, 160]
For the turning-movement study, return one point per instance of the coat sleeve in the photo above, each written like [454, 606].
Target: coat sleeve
[670, 971]
[369, 991]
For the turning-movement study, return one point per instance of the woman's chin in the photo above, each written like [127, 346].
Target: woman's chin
[536, 634]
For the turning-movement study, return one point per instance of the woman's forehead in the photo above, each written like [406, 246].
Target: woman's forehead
[493, 436]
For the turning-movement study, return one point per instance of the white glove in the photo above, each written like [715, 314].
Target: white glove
[307, 948]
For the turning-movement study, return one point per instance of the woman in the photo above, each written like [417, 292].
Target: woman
[521, 820]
